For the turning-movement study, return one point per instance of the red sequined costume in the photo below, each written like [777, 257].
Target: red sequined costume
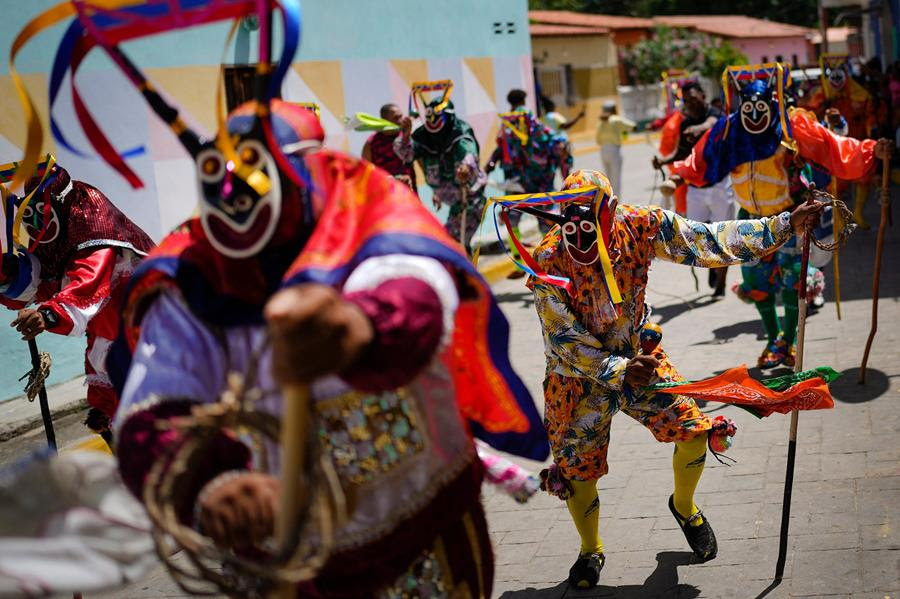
[77, 272]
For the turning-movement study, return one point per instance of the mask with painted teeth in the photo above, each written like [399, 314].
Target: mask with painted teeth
[756, 108]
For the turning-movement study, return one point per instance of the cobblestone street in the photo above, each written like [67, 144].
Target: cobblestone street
[845, 524]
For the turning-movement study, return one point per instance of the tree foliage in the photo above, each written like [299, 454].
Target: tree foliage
[670, 48]
[797, 12]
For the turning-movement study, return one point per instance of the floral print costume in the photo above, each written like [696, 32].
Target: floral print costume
[588, 340]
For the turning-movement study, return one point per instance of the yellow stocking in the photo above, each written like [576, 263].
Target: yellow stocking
[861, 197]
[584, 506]
[687, 464]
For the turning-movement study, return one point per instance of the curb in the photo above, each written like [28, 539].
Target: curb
[15, 429]
[497, 270]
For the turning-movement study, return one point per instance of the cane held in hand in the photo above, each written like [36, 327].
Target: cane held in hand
[879, 248]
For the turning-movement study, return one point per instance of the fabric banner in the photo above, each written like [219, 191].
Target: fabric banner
[807, 390]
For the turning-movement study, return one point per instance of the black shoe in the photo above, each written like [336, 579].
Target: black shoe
[719, 292]
[701, 538]
[585, 572]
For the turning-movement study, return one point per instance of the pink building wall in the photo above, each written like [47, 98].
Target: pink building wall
[767, 49]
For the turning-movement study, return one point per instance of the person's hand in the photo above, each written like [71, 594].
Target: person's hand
[314, 332]
[883, 149]
[406, 125]
[405, 179]
[240, 513]
[657, 163]
[463, 174]
[30, 323]
[806, 216]
[640, 370]
[490, 166]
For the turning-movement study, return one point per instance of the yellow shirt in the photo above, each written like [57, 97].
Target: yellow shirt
[762, 186]
[613, 130]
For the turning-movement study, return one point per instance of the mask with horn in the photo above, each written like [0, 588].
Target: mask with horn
[434, 110]
[585, 225]
[242, 180]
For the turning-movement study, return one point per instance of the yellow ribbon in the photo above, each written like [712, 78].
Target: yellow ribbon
[445, 84]
[782, 111]
[35, 133]
[255, 178]
[519, 128]
[20, 209]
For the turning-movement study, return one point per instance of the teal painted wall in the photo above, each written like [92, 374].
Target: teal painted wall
[333, 30]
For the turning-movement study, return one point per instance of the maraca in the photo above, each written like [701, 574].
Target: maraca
[651, 335]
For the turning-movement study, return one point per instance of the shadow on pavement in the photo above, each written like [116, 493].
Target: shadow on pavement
[729, 332]
[526, 297]
[768, 589]
[661, 584]
[847, 390]
[670, 311]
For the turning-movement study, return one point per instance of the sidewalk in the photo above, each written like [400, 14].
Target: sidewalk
[844, 536]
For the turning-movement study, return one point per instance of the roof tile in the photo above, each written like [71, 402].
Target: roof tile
[734, 26]
[567, 17]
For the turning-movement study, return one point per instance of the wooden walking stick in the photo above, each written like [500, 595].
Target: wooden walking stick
[879, 247]
[462, 218]
[792, 436]
[837, 224]
[295, 423]
[36, 379]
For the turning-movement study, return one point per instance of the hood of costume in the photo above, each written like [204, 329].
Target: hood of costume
[451, 131]
[752, 132]
[61, 216]
[348, 211]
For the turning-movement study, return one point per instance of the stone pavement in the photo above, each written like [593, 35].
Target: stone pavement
[845, 540]
[844, 537]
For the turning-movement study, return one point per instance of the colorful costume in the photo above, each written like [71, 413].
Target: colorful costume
[381, 145]
[592, 315]
[74, 266]
[757, 145]
[838, 89]
[670, 125]
[387, 423]
[529, 154]
[395, 428]
[443, 144]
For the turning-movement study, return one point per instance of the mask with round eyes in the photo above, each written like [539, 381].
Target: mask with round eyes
[434, 120]
[40, 221]
[238, 221]
[579, 233]
[756, 108]
[837, 78]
